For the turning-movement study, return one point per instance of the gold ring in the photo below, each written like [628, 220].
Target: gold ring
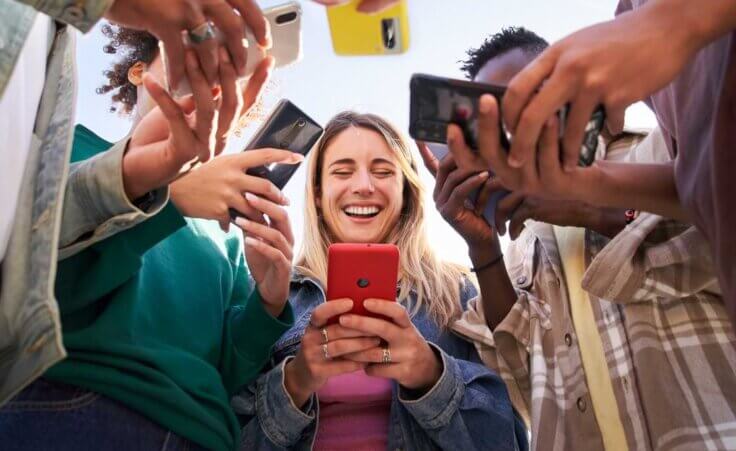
[324, 336]
[326, 352]
[386, 355]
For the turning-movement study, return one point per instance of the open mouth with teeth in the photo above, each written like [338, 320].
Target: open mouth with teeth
[361, 212]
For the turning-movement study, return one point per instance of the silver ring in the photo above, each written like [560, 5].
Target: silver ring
[325, 338]
[326, 352]
[386, 355]
[201, 33]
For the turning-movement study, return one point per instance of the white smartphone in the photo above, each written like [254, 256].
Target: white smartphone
[286, 33]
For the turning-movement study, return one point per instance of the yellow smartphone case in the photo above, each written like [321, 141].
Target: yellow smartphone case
[356, 33]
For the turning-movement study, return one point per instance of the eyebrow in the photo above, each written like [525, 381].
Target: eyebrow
[352, 162]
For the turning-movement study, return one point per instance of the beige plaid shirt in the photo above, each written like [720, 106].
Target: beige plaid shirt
[669, 345]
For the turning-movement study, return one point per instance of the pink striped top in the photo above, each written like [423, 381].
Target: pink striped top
[354, 413]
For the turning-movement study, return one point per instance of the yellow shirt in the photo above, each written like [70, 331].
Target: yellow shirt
[571, 245]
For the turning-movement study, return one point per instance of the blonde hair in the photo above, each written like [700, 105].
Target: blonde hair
[437, 284]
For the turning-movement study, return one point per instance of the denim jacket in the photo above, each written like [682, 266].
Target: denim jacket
[467, 409]
[61, 208]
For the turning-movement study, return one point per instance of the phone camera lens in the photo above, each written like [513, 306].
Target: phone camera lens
[301, 123]
[363, 283]
[286, 18]
[388, 27]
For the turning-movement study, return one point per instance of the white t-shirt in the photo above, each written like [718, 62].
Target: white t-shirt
[18, 107]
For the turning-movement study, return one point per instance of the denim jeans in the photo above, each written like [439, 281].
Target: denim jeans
[51, 415]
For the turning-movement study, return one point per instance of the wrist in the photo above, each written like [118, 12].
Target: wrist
[483, 252]
[293, 385]
[432, 373]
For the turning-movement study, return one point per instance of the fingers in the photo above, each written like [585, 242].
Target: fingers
[264, 157]
[273, 254]
[205, 106]
[518, 218]
[575, 124]
[463, 155]
[489, 137]
[391, 309]
[522, 87]
[339, 348]
[229, 103]
[375, 355]
[251, 13]
[447, 166]
[551, 98]
[615, 119]
[327, 310]
[278, 216]
[457, 197]
[549, 154]
[505, 208]
[174, 57]
[430, 161]
[255, 85]
[267, 234]
[233, 28]
[375, 6]
[371, 326]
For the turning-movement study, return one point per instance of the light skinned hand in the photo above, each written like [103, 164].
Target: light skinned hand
[169, 20]
[414, 364]
[309, 370]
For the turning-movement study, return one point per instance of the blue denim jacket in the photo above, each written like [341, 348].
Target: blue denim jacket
[468, 408]
[62, 208]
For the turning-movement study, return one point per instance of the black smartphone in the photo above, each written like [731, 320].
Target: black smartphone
[437, 102]
[289, 128]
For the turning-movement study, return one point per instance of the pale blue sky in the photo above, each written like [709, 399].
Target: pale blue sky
[323, 84]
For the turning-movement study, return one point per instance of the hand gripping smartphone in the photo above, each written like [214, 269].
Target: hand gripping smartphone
[360, 272]
[437, 102]
[285, 23]
[357, 33]
[289, 128]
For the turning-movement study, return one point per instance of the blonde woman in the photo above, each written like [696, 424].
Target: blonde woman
[327, 387]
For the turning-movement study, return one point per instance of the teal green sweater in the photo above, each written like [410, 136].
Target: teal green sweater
[163, 318]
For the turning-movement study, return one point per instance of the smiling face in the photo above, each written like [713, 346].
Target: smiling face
[361, 187]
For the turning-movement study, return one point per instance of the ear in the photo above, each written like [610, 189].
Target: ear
[135, 73]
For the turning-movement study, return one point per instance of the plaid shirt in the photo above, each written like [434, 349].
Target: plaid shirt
[668, 342]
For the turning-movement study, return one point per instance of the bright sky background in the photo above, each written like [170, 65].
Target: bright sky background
[323, 83]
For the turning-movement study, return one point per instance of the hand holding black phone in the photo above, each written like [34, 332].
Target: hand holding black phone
[289, 128]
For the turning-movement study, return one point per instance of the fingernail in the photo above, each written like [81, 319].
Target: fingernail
[484, 175]
[250, 197]
[514, 161]
[250, 241]
[285, 201]
[485, 103]
[368, 303]
[297, 157]
[241, 221]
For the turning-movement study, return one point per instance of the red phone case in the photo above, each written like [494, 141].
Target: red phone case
[360, 272]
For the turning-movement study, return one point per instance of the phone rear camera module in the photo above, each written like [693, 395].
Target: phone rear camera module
[286, 18]
[301, 123]
[363, 283]
[388, 32]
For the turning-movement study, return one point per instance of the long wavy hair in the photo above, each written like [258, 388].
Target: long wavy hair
[436, 283]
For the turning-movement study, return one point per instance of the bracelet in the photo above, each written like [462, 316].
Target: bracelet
[487, 265]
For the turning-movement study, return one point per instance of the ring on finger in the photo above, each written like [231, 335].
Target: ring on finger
[326, 352]
[386, 358]
[201, 33]
[325, 338]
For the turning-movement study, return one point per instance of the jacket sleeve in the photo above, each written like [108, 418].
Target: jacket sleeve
[81, 14]
[95, 204]
[270, 419]
[468, 408]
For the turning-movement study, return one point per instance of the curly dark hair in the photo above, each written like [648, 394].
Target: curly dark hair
[507, 39]
[133, 46]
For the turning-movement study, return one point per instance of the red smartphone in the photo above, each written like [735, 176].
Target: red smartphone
[360, 272]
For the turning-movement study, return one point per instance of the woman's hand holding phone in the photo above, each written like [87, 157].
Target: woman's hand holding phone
[412, 362]
[318, 359]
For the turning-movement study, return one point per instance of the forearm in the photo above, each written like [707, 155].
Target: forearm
[645, 187]
[496, 289]
[80, 14]
[296, 391]
[699, 23]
